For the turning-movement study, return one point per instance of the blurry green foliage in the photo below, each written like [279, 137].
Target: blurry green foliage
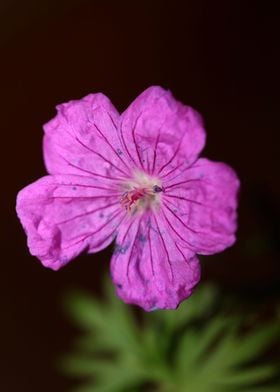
[196, 348]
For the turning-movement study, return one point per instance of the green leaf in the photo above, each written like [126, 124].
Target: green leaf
[255, 343]
[85, 312]
[195, 343]
[253, 375]
[196, 348]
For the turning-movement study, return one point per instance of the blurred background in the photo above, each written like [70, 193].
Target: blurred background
[219, 57]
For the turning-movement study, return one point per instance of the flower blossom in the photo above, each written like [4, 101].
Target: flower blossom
[135, 178]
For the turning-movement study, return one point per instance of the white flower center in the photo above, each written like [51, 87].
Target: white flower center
[141, 193]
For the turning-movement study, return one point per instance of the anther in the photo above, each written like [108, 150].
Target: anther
[157, 189]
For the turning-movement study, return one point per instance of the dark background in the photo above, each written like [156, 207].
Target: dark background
[217, 56]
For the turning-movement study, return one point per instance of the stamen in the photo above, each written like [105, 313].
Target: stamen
[141, 193]
[130, 197]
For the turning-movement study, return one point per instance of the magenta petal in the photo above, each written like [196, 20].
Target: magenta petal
[83, 139]
[149, 268]
[161, 134]
[200, 207]
[63, 215]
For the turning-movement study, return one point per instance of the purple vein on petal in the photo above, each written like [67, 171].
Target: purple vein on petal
[109, 144]
[87, 213]
[114, 229]
[155, 151]
[151, 253]
[107, 141]
[180, 220]
[173, 156]
[75, 137]
[131, 248]
[134, 139]
[126, 233]
[30, 202]
[88, 171]
[172, 170]
[164, 246]
[124, 144]
[86, 236]
[98, 154]
[185, 199]
[189, 167]
[109, 235]
[188, 227]
[184, 257]
[182, 182]
[82, 197]
[113, 122]
[189, 245]
[148, 163]
[89, 186]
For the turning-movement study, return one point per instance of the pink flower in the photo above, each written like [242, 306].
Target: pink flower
[136, 178]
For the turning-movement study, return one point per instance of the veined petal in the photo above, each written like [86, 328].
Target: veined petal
[149, 268]
[200, 207]
[160, 134]
[63, 215]
[82, 139]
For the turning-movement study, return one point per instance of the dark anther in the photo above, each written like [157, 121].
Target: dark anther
[157, 189]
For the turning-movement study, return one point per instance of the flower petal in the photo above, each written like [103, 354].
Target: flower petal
[63, 215]
[200, 207]
[160, 134]
[82, 139]
[149, 268]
